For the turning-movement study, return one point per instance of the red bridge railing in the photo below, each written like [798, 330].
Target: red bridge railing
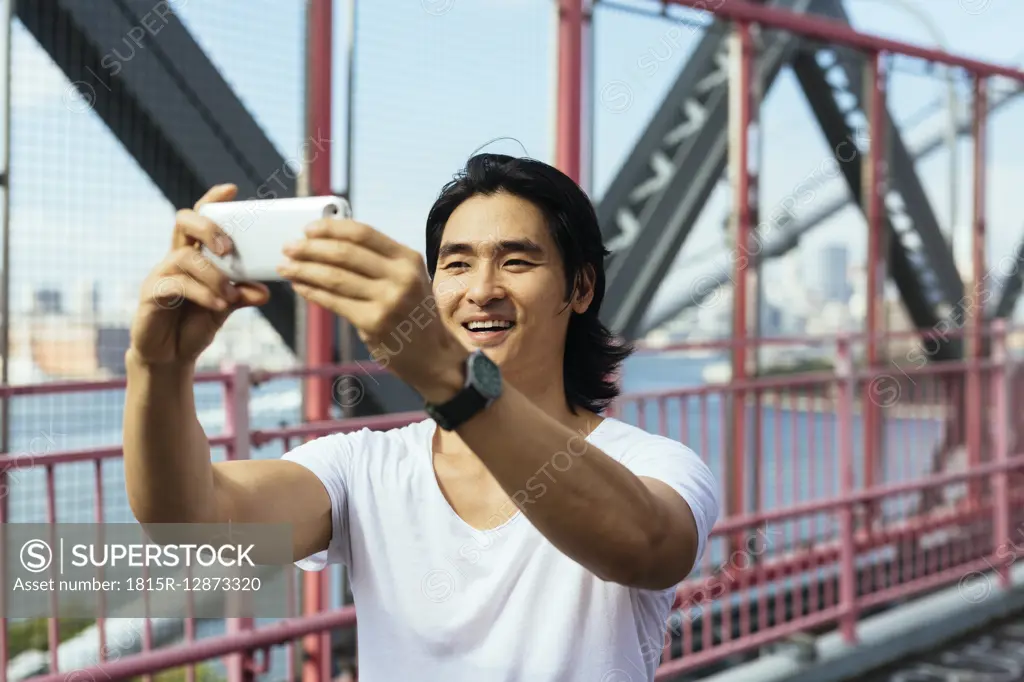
[834, 521]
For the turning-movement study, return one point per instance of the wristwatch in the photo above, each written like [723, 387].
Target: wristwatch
[482, 387]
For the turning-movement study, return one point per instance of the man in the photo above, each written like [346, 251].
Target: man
[515, 534]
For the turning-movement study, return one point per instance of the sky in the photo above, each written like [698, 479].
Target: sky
[436, 80]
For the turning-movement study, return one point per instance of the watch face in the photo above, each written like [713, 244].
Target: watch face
[486, 376]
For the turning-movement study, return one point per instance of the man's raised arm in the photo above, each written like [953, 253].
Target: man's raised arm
[168, 471]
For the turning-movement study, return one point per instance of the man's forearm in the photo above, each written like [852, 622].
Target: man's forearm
[168, 471]
[587, 504]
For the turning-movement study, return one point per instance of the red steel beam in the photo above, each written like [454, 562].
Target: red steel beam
[570, 87]
[979, 133]
[739, 141]
[841, 34]
[236, 422]
[320, 323]
[847, 533]
[873, 193]
[977, 296]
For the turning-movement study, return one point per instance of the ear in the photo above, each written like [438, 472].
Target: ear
[584, 293]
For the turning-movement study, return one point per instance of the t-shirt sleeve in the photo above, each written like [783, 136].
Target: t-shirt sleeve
[330, 459]
[683, 470]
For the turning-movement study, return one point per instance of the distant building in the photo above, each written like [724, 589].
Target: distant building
[111, 345]
[834, 282]
[47, 302]
[771, 320]
[86, 303]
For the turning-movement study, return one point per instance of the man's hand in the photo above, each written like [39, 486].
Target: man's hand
[382, 288]
[184, 300]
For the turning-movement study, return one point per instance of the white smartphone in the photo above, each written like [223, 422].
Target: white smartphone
[260, 228]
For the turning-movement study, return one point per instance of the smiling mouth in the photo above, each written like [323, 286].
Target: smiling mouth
[488, 330]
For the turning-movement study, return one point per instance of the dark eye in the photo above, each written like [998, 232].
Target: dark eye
[517, 261]
[455, 264]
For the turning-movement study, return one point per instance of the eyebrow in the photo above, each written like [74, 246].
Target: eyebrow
[505, 246]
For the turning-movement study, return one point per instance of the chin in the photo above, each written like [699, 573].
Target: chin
[498, 353]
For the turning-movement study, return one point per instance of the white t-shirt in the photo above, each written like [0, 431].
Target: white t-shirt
[440, 600]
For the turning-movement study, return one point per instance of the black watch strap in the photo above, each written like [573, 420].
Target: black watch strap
[482, 386]
[450, 415]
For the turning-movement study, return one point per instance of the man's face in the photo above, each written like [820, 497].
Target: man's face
[500, 283]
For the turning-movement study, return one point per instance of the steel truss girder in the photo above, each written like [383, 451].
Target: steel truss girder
[922, 282]
[919, 259]
[794, 227]
[168, 105]
[1011, 287]
[657, 196]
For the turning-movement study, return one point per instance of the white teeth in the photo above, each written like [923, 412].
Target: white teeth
[489, 324]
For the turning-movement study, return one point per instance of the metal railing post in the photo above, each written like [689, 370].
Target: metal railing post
[241, 666]
[846, 377]
[320, 324]
[1001, 443]
[875, 181]
[741, 67]
[976, 319]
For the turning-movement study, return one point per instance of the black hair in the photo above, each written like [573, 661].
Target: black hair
[592, 353]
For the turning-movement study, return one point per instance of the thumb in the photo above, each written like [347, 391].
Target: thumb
[252, 294]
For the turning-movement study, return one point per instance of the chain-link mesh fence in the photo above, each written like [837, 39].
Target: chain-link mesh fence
[432, 82]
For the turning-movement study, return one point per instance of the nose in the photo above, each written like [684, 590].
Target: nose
[485, 285]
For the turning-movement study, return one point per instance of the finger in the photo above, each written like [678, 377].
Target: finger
[194, 228]
[171, 291]
[340, 253]
[357, 233]
[329, 278]
[356, 312]
[225, 192]
[195, 264]
[252, 294]
[254, 291]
